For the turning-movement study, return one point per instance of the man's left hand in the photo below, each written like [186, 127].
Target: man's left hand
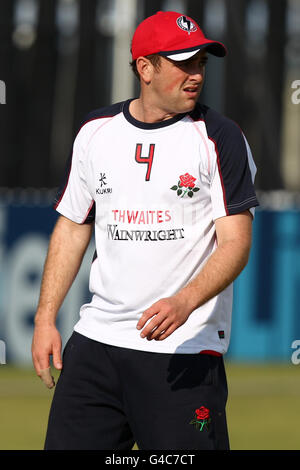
[167, 315]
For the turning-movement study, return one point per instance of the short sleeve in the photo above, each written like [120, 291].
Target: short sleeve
[233, 172]
[73, 199]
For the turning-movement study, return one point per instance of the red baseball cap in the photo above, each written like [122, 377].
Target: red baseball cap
[172, 35]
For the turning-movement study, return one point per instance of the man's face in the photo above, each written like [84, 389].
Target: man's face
[176, 85]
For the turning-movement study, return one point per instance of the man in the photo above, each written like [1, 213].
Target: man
[168, 185]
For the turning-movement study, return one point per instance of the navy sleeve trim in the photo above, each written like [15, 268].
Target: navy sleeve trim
[106, 112]
[233, 162]
[64, 183]
[90, 217]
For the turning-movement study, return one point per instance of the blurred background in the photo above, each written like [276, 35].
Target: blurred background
[60, 59]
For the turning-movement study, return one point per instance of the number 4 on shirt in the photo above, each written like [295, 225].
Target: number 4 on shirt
[148, 160]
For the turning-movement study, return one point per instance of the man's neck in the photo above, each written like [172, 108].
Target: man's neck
[146, 112]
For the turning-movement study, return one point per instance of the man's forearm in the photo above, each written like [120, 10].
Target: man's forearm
[66, 250]
[222, 267]
[220, 270]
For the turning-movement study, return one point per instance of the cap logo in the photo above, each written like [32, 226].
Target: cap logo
[186, 25]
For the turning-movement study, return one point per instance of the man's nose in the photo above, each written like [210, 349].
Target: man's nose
[196, 71]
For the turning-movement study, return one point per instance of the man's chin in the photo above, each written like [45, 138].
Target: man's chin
[183, 108]
[189, 106]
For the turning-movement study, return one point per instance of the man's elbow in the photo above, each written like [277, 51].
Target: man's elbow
[244, 251]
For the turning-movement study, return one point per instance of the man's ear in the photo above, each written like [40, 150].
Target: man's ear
[145, 69]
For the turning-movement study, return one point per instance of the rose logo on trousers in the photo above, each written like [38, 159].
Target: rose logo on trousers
[185, 185]
[201, 419]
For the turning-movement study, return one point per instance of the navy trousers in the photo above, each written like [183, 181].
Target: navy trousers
[108, 398]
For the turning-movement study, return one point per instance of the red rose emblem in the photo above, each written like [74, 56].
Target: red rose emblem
[201, 419]
[185, 186]
[187, 180]
[202, 413]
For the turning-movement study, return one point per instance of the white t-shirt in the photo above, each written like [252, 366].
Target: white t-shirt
[154, 192]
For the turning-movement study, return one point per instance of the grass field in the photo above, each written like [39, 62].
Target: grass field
[263, 407]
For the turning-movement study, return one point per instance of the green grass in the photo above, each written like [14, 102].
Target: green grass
[24, 408]
[263, 407]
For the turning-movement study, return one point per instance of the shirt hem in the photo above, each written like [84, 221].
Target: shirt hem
[176, 349]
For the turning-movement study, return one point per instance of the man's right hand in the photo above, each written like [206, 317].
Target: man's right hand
[46, 342]
[68, 244]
